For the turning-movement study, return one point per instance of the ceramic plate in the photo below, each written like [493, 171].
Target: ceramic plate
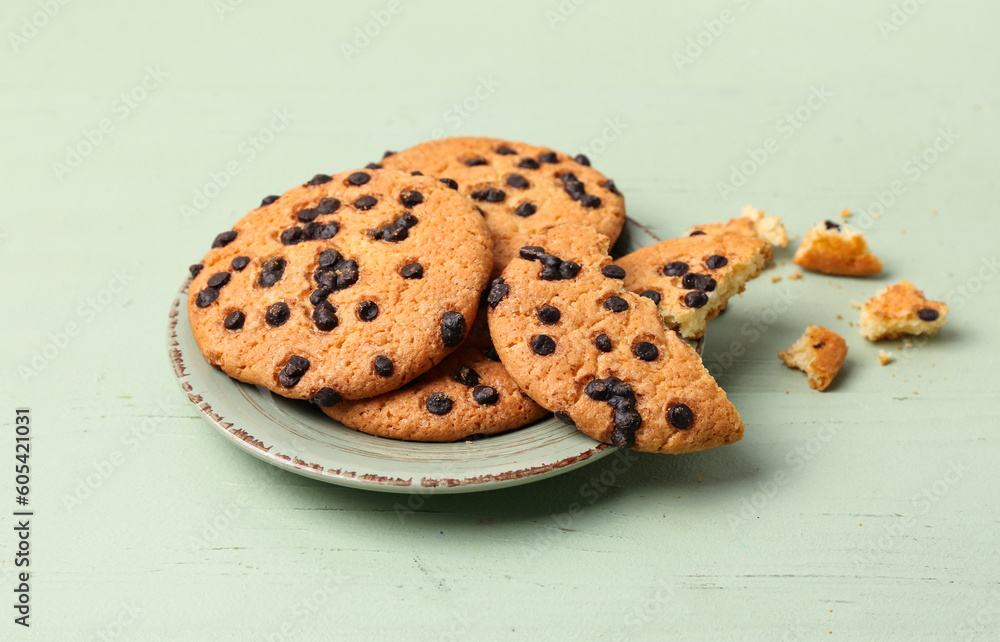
[296, 436]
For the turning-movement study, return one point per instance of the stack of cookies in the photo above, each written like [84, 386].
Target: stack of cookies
[464, 287]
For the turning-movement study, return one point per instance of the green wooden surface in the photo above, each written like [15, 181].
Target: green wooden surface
[869, 511]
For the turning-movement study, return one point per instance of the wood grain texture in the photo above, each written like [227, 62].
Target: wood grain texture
[869, 510]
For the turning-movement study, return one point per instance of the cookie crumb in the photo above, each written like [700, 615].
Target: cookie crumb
[840, 316]
[856, 305]
[795, 276]
[845, 213]
[884, 357]
[775, 278]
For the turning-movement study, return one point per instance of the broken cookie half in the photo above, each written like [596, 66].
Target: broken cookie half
[578, 343]
[691, 279]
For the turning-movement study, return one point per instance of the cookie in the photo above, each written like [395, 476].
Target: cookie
[521, 189]
[691, 279]
[751, 222]
[469, 393]
[579, 344]
[345, 287]
[831, 248]
[819, 353]
[900, 310]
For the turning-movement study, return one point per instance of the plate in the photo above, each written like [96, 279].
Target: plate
[296, 436]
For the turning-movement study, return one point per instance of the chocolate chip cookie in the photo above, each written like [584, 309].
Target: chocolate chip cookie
[345, 287]
[521, 189]
[579, 344]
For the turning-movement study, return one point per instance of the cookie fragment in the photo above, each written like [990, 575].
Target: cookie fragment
[751, 222]
[900, 310]
[819, 353]
[830, 248]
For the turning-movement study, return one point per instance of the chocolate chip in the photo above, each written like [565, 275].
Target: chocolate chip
[367, 310]
[291, 236]
[543, 345]
[438, 403]
[622, 438]
[485, 395]
[695, 299]
[574, 188]
[271, 271]
[615, 304]
[329, 258]
[503, 150]
[341, 275]
[583, 160]
[528, 163]
[480, 210]
[696, 233]
[498, 290]
[652, 295]
[206, 297]
[563, 417]
[491, 353]
[365, 202]
[489, 194]
[613, 272]
[328, 205]
[475, 162]
[591, 201]
[326, 397]
[373, 166]
[240, 262]
[452, 328]
[307, 215]
[517, 181]
[716, 261]
[277, 314]
[531, 252]
[830, 225]
[819, 345]
[675, 268]
[467, 377]
[569, 269]
[627, 422]
[525, 209]
[195, 269]
[383, 366]
[619, 388]
[645, 351]
[319, 179]
[388, 153]
[416, 172]
[319, 295]
[927, 314]
[680, 416]
[407, 220]
[549, 315]
[603, 342]
[410, 198]
[218, 279]
[359, 178]
[548, 157]
[234, 320]
[325, 316]
[694, 281]
[597, 390]
[412, 271]
[267, 200]
[295, 367]
[450, 183]
[611, 187]
[224, 238]
[327, 231]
